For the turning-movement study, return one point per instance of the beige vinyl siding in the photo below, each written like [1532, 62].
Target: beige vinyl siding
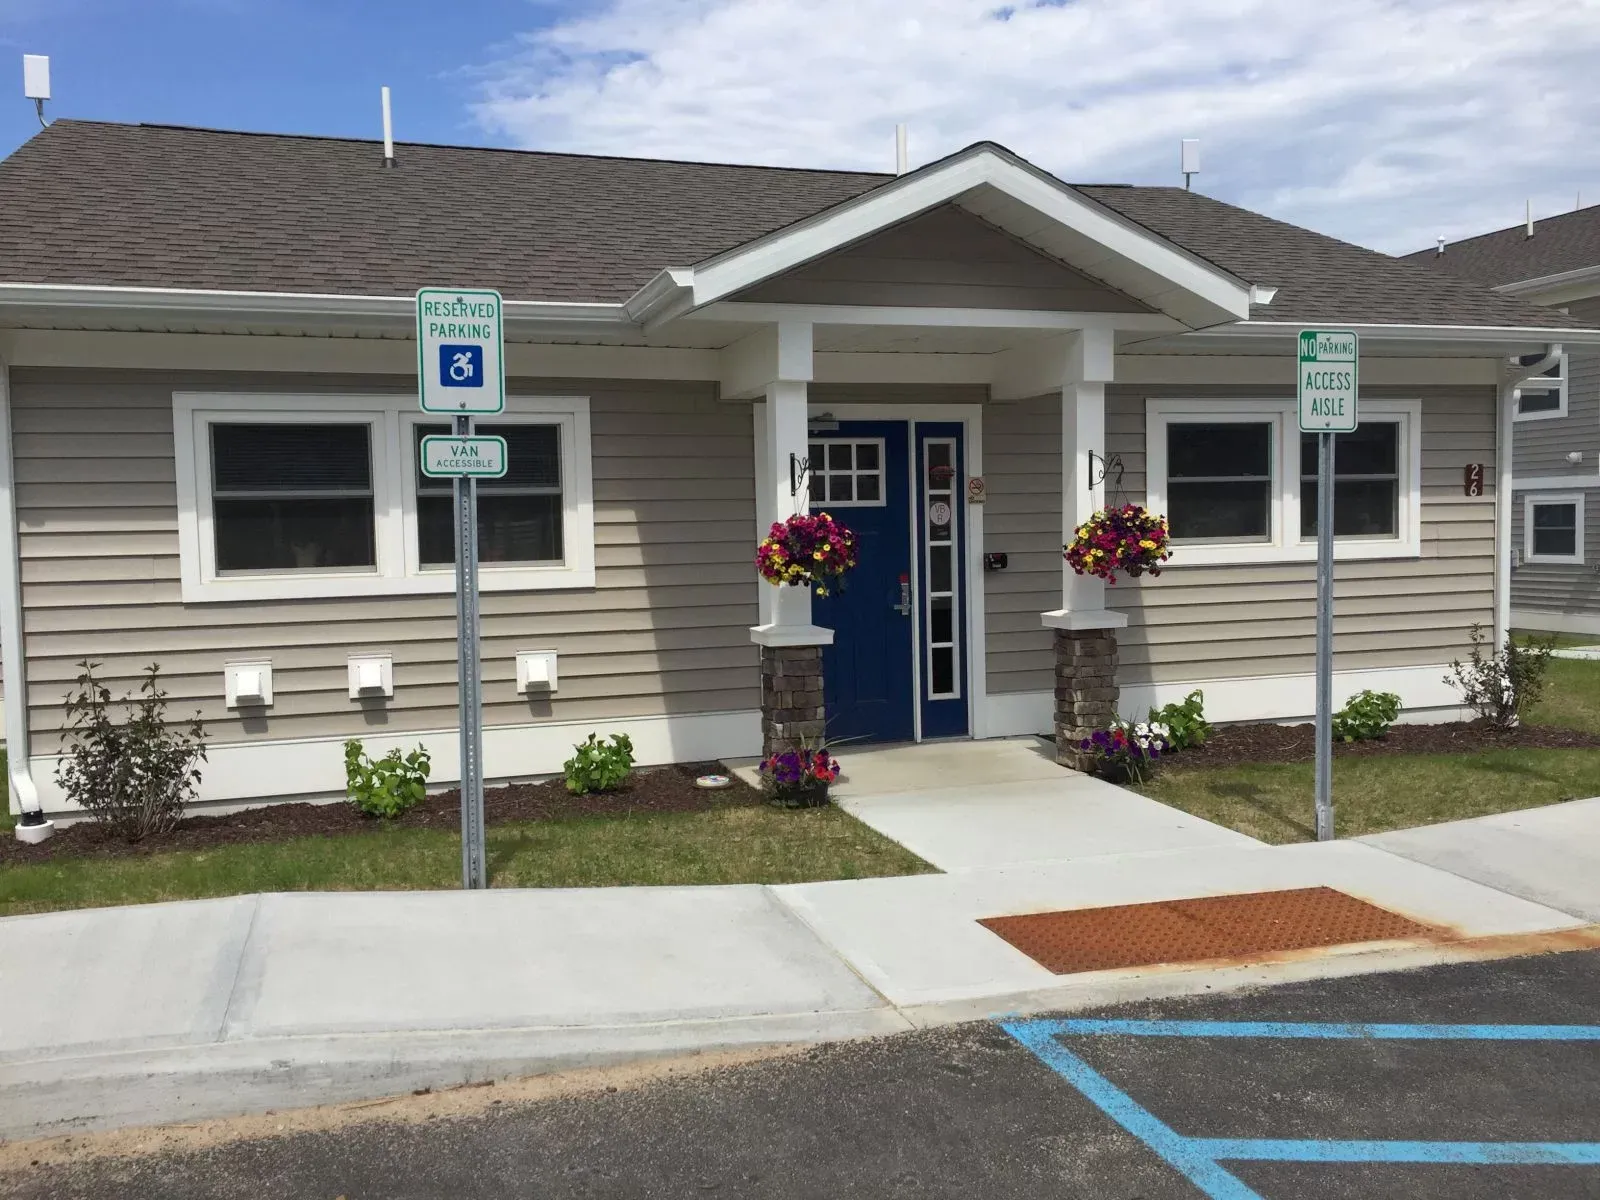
[665, 629]
[945, 258]
[1199, 623]
[1558, 587]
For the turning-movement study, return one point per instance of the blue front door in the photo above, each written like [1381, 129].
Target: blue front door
[860, 474]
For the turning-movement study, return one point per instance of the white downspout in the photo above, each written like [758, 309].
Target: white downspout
[1514, 376]
[32, 826]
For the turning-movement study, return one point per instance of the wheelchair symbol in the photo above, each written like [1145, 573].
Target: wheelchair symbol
[461, 366]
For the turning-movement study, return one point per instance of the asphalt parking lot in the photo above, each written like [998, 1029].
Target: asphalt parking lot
[1490, 1089]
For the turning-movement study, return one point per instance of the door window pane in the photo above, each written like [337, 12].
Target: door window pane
[1555, 530]
[520, 516]
[942, 661]
[288, 497]
[1366, 482]
[1219, 481]
[845, 472]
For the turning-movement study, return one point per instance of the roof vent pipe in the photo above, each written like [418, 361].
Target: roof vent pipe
[388, 131]
[1529, 233]
[1440, 250]
[902, 160]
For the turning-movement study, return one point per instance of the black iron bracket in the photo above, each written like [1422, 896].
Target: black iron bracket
[1109, 465]
[799, 469]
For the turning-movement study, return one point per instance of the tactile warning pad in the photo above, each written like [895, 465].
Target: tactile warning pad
[1184, 931]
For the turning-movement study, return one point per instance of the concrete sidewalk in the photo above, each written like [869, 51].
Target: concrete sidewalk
[1550, 855]
[166, 1012]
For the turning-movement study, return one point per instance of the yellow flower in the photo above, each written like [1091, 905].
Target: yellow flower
[817, 555]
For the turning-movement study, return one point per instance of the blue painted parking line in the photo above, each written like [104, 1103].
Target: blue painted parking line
[1200, 1159]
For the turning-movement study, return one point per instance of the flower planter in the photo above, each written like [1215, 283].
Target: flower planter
[807, 551]
[1127, 538]
[811, 794]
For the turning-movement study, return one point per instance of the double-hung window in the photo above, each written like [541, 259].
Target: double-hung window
[1237, 481]
[1552, 528]
[284, 497]
[519, 514]
[1545, 395]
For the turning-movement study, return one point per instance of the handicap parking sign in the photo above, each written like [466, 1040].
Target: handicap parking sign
[460, 366]
[461, 351]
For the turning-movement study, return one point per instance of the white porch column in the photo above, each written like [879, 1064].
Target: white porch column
[773, 367]
[1086, 368]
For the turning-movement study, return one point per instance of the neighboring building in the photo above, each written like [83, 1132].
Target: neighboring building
[1555, 544]
[208, 412]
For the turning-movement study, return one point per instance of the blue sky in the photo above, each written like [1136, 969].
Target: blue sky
[293, 66]
[1385, 122]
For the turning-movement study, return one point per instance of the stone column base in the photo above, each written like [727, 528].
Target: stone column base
[1086, 690]
[791, 697]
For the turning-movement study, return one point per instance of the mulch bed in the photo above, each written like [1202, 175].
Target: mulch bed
[661, 790]
[1238, 744]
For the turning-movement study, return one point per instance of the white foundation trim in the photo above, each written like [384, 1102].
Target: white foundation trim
[1422, 690]
[279, 769]
[1555, 622]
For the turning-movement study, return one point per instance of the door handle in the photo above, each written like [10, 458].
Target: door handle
[904, 607]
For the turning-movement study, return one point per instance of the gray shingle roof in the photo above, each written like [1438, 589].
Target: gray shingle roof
[1320, 279]
[1568, 242]
[159, 206]
[164, 206]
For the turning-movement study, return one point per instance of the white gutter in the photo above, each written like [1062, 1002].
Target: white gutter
[1412, 333]
[32, 826]
[1540, 283]
[1504, 451]
[296, 304]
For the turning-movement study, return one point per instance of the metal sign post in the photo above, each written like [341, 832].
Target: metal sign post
[1327, 385]
[460, 356]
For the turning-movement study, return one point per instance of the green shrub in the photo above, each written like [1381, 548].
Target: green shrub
[1185, 721]
[389, 786]
[599, 766]
[1502, 686]
[1366, 715]
[133, 777]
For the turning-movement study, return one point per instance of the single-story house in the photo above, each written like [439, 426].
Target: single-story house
[1555, 525]
[209, 421]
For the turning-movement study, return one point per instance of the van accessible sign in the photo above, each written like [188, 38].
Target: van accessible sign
[461, 351]
[1328, 360]
[444, 456]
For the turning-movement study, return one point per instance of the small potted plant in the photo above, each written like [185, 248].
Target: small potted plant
[799, 777]
[1127, 538]
[1125, 752]
[807, 550]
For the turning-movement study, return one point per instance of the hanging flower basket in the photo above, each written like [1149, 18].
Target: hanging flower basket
[1128, 538]
[807, 551]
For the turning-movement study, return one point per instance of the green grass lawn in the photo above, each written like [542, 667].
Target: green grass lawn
[1558, 641]
[746, 844]
[1273, 801]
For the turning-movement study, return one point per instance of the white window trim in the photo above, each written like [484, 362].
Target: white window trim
[1561, 390]
[1529, 503]
[398, 571]
[1284, 544]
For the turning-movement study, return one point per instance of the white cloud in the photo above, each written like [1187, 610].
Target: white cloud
[1382, 121]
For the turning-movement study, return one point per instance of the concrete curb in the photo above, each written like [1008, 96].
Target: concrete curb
[47, 1097]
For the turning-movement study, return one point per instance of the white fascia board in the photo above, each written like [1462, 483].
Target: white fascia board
[936, 318]
[892, 203]
[1491, 335]
[669, 294]
[234, 303]
[1583, 278]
